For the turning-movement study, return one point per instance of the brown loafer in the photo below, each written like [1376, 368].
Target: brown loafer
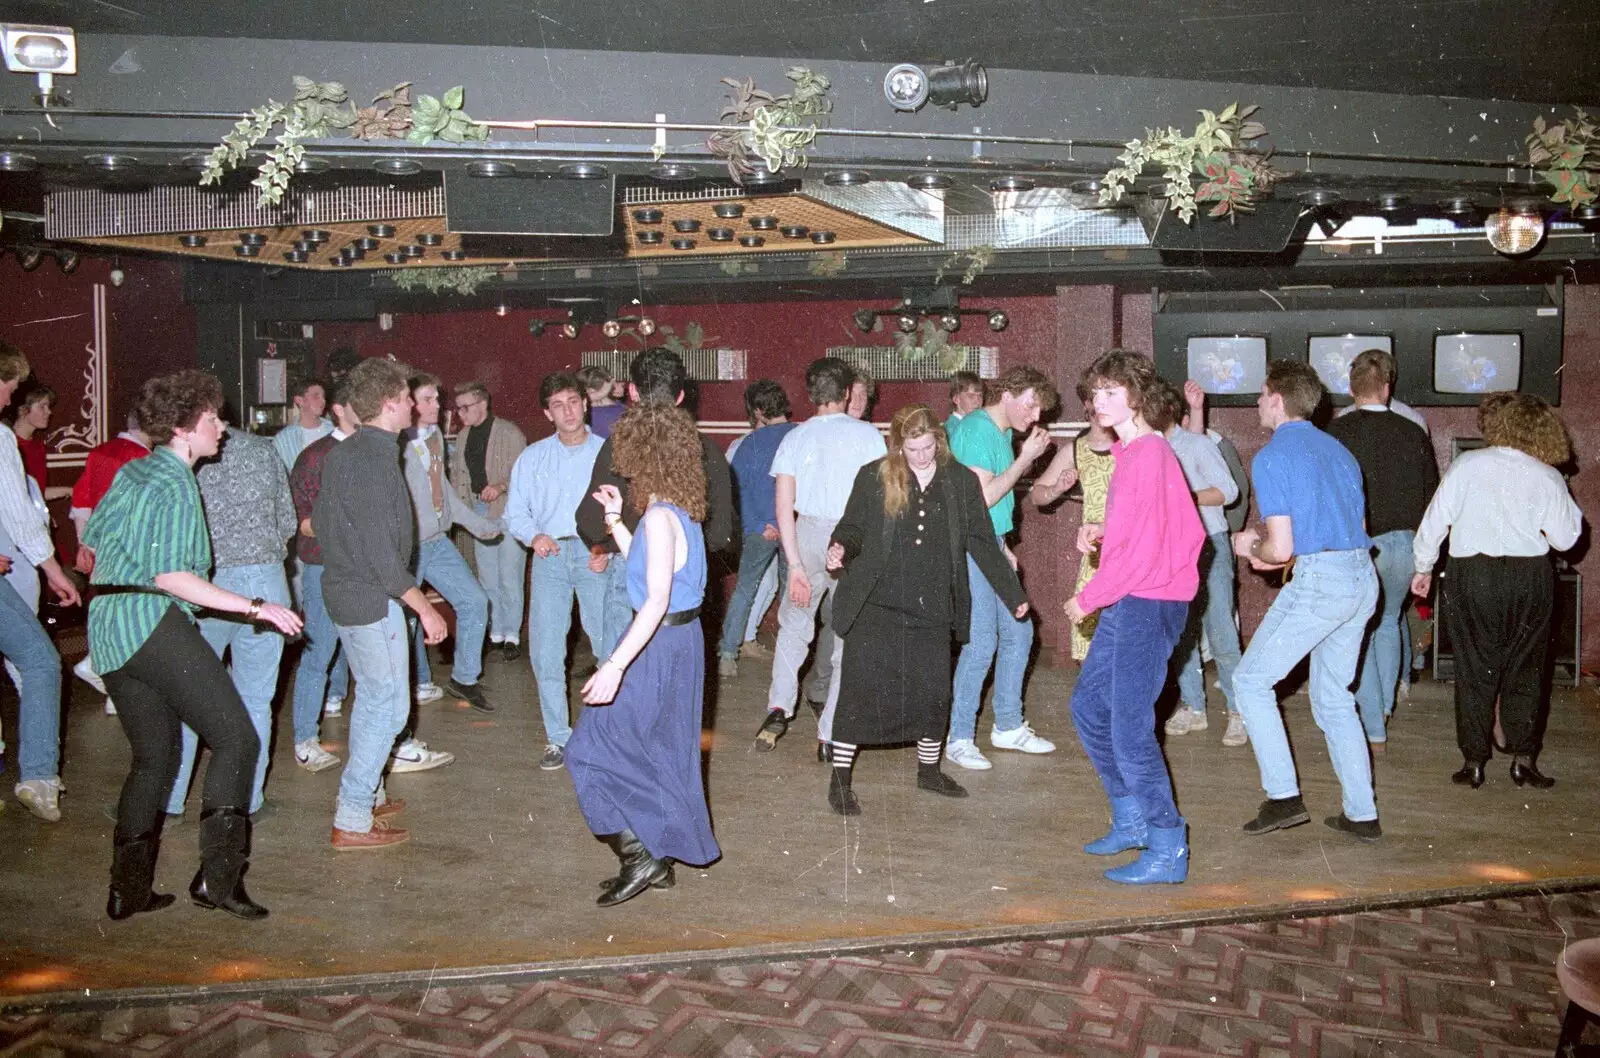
[390, 807]
[380, 835]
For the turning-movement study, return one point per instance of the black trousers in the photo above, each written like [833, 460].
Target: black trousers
[172, 680]
[1497, 610]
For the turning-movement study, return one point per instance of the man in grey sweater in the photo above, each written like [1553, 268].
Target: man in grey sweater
[367, 526]
[250, 515]
[439, 564]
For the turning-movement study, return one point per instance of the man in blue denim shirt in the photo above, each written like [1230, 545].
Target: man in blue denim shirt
[768, 407]
[1308, 489]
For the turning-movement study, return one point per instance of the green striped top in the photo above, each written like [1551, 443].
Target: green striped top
[151, 522]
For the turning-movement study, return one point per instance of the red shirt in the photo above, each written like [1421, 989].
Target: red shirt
[33, 459]
[100, 469]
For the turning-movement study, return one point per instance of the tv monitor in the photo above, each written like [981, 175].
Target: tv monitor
[1235, 363]
[1331, 355]
[1477, 363]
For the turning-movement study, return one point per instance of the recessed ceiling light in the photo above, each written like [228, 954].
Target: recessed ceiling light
[647, 216]
[111, 163]
[673, 171]
[929, 181]
[355, 253]
[341, 261]
[194, 161]
[430, 238]
[1457, 205]
[412, 250]
[192, 241]
[380, 231]
[794, 231]
[728, 210]
[751, 241]
[1392, 202]
[1587, 212]
[395, 257]
[848, 178]
[305, 246]
[315, 235]
[489, 168]
[296, 256]
[822, 238]
[12, 162]
[764, 223]
[252, 238]
[309, 164]
[763, 177]
[719, 234]
[683, 244]
[1321, 196]
[1086, 187]
[247, 250]
[686, 224]
[454, 255]
[584, 171]
[648, 238]
[398, 166]
[366, 243]
[1011, 183]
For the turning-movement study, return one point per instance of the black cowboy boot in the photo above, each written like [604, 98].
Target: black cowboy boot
[133, 871]
[640, 870]
[219, 884]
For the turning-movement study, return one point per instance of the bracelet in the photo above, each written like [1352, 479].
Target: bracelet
[255, 609]
[613, 517]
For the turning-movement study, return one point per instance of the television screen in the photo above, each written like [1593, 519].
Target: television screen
[1477, 363]
[1231, 364]
[1331, 355]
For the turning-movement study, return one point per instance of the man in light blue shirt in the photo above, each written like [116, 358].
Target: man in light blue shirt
[310, 401]
[548, 482]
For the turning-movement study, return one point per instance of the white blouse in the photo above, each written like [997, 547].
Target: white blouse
[1501, 502]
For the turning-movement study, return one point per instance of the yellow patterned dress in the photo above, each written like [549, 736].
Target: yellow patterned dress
[1094, 476]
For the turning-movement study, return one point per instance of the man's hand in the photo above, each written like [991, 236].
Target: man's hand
[1075, 611]
[433, 627]
[799, 587]
[83, 562]
[60, 584]
[599, 559]
[305, 528]
[1244, 543]
[1193, 395]
[1422, 585]
[835, 557]
[1035, 443]
[1089, 535]
[770, 532]
[545, 545]
[491, 493]
[5, 564]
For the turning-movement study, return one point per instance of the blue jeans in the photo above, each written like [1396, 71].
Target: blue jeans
[312, 683]
[441, 566]
[996, 637]
[1211, 611]
[1380, 664]
[256, 650]
[26, 645]
[618, 608]
[378, 660]
[1323, 612]
[1113, 702]
[754, 558]
[502, 572]
[553, 582]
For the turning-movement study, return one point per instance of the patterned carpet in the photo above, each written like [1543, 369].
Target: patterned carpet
[1465, 979]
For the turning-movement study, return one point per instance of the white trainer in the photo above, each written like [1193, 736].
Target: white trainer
[41, 797]
[333, 706]
[312, 757]
[429, 692]
[85, 672]
[1022, 739]
[414, 755]
[1184, 720]
[111, 707]
[965, 752]
[1236, 735]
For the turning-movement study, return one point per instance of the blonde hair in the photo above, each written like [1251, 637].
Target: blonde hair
[1526, 423]
[909, 423]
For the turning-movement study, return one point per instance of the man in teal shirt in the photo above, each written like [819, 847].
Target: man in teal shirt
[981, 441]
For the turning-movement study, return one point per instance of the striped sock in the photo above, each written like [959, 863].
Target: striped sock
[928, 750]
[844, 755]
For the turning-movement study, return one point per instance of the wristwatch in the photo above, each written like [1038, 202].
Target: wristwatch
[254, 613]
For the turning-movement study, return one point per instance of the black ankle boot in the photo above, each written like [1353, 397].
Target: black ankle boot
[1525, 772]
[133, 871]
[219, 884]
[840, 797]
[930, 778]
[1472, 775]
[640, 870]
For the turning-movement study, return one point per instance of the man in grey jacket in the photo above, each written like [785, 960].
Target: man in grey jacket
[439, 564]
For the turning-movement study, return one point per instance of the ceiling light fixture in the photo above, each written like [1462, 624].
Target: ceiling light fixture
[1011, 183]
[12, 162]
[907, 323]
[536, 327]
[29, 258]
[866, 320]
[569, 330]
[611, 328]
[848, 178]
[908, 86]
[40, 50]
[929, 181]
[950, 322]
[1514, 231]
[998, 320]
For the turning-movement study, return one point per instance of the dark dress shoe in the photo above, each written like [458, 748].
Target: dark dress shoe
[1472, 775]
[510, 651]
[840, 797]
[1278, 814]
[668, 880]
[1528, 775]
[930, 778]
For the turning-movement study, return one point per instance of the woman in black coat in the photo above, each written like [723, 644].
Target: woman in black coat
[901, 548]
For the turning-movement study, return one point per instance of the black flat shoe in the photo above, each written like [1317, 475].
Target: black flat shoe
[1278, 814]
[667, 881]
[824, 753]
[1472, 775]
[1528, 775]
[930, 778]
[840, 797]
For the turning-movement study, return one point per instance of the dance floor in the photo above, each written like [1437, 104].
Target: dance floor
[498, 880]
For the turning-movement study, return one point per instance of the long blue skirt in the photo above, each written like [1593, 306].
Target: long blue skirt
[636, 762]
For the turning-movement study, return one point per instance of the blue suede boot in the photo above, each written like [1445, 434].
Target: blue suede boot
[1128, 830]
[1166, 861]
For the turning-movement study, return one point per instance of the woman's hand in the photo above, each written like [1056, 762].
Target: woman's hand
[602, 686]
[835, 557]
[1421, 585]
[1075, 611]
[1089, 535]
[282, 618]
[799, 587]
[1020, 612]
[609, 498]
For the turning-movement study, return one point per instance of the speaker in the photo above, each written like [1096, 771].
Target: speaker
[1566, 633]
[1267, 230]
[534, 204]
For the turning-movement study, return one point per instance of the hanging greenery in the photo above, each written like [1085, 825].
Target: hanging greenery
[464, 280]
[978, 258]
[1567, 155]
[930, 340]
[317, 109]
[828, 264]
[765, 119]
[1213, 165]
[693, 338]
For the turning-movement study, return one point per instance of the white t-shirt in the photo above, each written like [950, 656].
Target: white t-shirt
[1400, 408]
[823, 454]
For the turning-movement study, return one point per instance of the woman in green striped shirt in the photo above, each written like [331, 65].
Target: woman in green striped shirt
[152, 553]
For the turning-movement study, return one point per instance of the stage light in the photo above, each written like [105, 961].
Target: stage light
[569, 330]
[865, 319]
[40, 50]
[908, 86]
[950, 322]
[611, 328]
[536, 327]
[501, 310]
[907, 323]
[29, 258]
[647, 326]
[998, 320]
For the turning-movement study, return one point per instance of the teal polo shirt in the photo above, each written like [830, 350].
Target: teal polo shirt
[977, 442]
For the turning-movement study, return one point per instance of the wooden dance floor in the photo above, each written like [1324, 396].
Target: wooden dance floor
[500, 874]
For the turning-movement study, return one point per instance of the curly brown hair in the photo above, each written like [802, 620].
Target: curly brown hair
[169, 403]
[657, 448]
[1135, 373]
[1526, 423]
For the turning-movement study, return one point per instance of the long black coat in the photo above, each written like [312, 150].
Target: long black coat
[868, 539]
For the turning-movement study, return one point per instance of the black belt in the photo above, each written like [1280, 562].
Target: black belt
[682, 617]
[126, 589]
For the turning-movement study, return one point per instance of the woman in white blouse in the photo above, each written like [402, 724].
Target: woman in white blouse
[1504, 507]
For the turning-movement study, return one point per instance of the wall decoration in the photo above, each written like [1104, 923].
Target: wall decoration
[1213, 165]
[69, 445]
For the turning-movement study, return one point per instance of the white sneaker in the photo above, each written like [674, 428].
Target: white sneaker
[429, 692]
[1020, 738]
[1184, 720]
[966, 753]
[40, 796]
[111, 707]
[312, 757]
[333, 707]
[414, 755]
[1236, 735]
[85, 672]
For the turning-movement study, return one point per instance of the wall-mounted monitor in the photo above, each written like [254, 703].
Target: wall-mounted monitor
[1468, 363]
[1228, 364]
[1331, 355]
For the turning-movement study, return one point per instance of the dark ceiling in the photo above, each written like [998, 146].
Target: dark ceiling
[1525, 50]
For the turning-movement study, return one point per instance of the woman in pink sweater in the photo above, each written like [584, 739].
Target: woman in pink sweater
[1149, 546]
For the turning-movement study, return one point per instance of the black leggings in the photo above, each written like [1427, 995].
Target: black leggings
[174, 679]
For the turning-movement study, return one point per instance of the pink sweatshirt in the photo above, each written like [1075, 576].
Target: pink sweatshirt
[1153, 535]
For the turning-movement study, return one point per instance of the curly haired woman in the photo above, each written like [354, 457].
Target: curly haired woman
[1504, 507]
[636, 762]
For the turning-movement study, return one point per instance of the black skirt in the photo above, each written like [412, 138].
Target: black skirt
[895, 683]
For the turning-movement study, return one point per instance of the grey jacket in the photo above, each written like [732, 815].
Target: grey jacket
[432, 522]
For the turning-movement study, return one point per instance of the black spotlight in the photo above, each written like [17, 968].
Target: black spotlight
[866, 319]
[950, 322]
[998, 321]
[29, 258]
[536, 327]
[908, 86]
[907, 323]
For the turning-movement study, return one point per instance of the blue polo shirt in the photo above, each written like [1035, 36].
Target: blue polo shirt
[752, 473]
[1307, 475]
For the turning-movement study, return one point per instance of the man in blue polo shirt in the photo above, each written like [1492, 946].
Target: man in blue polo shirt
[768, 407]
[1308, 489]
